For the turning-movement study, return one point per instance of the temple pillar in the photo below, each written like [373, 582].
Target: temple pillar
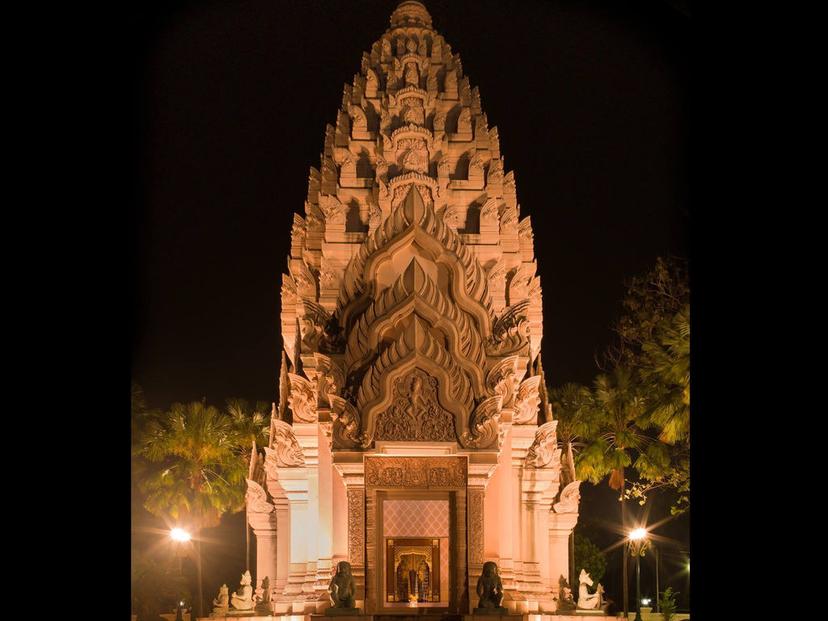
[266, 530]
[537, 484]
[282, 513]
[324, 566]
[352, 474]
[507, 510]
[307, 436]
[480, 474]
[560, 528]
[295, 483]
[522, 438]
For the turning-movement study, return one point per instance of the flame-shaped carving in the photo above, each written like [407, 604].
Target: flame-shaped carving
[544, 452]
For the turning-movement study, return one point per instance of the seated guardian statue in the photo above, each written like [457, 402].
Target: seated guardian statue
[223, 599]
[489, 587]
[243, 598]
[587, 600]
[342, 588]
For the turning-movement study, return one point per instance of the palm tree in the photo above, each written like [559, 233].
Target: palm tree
[252, 429]
[571, 406]
[620, 410]
[194, 473]
[665, 368]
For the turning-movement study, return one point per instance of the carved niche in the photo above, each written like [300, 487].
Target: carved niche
[415, 413]
[412, 155]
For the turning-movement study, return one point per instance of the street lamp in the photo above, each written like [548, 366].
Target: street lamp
[638, 544]
[179, 536]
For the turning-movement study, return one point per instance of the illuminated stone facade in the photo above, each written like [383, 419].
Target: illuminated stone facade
[412, 326]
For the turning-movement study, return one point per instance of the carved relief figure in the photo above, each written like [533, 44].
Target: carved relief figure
[415, 413]
[411, 75]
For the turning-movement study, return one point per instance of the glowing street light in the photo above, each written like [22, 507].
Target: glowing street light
[638, 534]
[638, 544]
[180, 535]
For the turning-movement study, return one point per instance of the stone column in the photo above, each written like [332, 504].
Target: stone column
[307, 436]
[505, 523]
[522, 438]
[265, 529]
[461, 587]
[536, 483]
[482, 467]
[351, 469]
[560, 527]
[324, 564]
[295, 483]
[282, 514]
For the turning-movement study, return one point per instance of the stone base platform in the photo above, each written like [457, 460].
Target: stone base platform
[410, 616]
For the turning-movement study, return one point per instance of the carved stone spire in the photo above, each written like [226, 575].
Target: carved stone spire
[411, 231]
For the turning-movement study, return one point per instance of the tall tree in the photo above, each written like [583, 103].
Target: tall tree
[252, 428]
[194, 471]
[572, 407]
[654, 334]
[620, 409]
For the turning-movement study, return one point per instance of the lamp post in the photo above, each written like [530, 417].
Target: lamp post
[638, 544]
[180, 537]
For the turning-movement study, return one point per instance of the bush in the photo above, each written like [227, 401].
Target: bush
[667, 604]
[589, 556]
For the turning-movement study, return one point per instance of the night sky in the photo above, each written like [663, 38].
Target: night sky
[590, 99]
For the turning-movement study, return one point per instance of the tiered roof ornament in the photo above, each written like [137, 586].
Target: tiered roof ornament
[411, 309]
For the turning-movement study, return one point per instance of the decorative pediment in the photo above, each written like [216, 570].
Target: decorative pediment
[284, 450]
[510, 332]
[569, 500]
[504, 376]
[527, 402]
[407, 132]
[302, 399]
[544, 452]
[256, 498]
[484, 425]
[414, 220]
[415, 293]
[414, 349]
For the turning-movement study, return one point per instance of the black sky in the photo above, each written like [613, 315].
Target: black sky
[590, 99]
[591, 102]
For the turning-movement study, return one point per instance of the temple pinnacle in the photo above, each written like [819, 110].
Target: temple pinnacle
[410, 13]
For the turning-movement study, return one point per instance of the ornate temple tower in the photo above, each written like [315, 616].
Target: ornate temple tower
[412, 436]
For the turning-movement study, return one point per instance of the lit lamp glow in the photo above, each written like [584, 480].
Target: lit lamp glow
[638, 534]
[645, 601]
[638, 543]
[179, 534]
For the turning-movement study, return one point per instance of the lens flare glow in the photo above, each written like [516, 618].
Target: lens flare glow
[179, 534]
[638, 534]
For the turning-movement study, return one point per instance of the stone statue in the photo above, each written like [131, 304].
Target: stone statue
[342, 590]
[565, 601]
[243, 598]
[587, 600]
[222, 602]
[490, 591]
[263, 596]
